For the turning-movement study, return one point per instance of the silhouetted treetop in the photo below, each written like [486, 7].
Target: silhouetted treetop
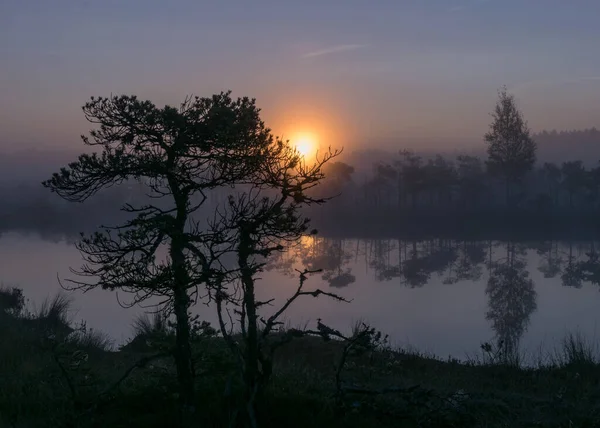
[511, 150]
[204, 143]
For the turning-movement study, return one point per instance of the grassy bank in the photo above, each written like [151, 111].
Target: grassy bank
[56, 376]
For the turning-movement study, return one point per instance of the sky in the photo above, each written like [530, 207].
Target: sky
[356, 74]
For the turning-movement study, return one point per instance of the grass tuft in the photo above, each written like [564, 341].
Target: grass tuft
[53, 313]
[577, 351]
[90, 339]
[147, 326]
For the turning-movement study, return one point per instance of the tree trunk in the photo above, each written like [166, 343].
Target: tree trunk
[183, 351]
[251, 370]
[181, 303]
[251, 353]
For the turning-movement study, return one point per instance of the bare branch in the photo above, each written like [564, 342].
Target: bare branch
[299, 292]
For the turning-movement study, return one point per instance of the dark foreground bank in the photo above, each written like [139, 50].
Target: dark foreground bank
[57, 375]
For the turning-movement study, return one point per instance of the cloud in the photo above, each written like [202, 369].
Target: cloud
[334, 49]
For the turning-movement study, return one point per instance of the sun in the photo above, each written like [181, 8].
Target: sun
[306, 144]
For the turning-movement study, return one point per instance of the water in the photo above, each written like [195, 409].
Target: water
[439, 296]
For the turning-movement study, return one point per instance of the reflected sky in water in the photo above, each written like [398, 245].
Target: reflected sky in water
[440, 296]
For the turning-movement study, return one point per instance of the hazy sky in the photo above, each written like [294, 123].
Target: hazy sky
[368, 72]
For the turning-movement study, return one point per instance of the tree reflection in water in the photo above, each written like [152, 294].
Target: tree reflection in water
[511, 301]
[510, 290]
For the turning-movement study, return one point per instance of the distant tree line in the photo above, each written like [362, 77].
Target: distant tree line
[462, 184]
[569, 145]
[508, 182]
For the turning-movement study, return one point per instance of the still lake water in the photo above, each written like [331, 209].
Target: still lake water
[439, 296]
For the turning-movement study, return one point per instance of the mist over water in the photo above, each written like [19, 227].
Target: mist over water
[440, 296]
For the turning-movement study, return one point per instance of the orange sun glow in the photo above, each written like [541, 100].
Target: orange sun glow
[306, 144]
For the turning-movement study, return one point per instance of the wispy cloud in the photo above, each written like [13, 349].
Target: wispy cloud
[461, 7]
[334, 49]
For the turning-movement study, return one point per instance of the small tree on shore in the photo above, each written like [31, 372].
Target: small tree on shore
[179, 154]
[511, 150]
[256, 223]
